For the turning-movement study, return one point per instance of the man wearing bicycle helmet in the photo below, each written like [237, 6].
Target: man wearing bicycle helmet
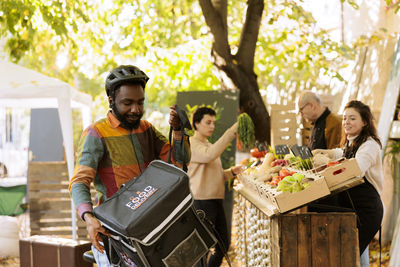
[119, 147]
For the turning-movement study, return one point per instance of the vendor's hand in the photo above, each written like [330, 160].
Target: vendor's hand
[94, 227]
[238, 169]
[327, 152]
[174, 120]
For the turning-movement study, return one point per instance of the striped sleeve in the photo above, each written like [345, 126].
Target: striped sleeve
[90, 151]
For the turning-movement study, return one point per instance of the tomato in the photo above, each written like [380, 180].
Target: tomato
[257, 154]
[333, 163]
[284, 173]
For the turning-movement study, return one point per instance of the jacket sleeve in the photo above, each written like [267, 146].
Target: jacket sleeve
[333, 131]
[90, 151]
[366, 155]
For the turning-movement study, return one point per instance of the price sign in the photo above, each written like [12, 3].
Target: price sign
[295, 150]
[281, 150]
[305, 152]
[262, 146]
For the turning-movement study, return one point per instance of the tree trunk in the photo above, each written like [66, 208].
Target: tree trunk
[236, 72]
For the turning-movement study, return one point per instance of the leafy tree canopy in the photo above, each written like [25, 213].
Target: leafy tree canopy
[169, 40]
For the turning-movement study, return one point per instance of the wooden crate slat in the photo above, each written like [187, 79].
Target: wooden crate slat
[289, 240]
[54, 205]
[81, 232]
[36, 170]
[304, 240]
[334, 237]
[40, 195]
[349, 241]
[40, 215]
[276, 241]
[56, 224]
[39, 187]
[319, 240]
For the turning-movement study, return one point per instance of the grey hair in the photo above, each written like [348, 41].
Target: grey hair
[309, 96]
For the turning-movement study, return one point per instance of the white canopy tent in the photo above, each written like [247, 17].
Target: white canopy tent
[25, 88]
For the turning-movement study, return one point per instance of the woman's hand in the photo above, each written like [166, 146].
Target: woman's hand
[238, 169]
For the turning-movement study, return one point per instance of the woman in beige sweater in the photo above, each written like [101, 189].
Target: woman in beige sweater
[207, 177]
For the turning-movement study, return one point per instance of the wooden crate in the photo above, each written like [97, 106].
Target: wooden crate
[50, 202]
[315, 239]
[304, 239]
[283, 124]
[44, 251]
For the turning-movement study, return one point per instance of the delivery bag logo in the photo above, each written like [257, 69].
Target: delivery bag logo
[140, 197]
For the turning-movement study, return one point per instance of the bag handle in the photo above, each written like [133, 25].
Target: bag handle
[185, 123]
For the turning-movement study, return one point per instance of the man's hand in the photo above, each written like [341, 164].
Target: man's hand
[174, 120]
[94, 227]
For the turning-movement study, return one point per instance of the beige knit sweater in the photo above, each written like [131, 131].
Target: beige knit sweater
[207, 177]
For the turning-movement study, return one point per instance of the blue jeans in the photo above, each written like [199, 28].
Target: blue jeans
[102, 260]
[364, 259]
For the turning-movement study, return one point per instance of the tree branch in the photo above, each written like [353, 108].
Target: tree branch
[249, 35]
[215, 15]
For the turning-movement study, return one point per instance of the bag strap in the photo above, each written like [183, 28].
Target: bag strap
[184, 124]
[220, 243]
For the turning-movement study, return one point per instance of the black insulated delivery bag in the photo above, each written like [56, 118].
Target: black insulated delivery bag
[153, 222]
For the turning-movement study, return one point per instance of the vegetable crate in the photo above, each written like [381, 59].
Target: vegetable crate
[339, 177]
[342, 176]
[274, 202]
[308, 239]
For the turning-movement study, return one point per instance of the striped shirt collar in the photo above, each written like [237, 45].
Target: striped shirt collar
[112, 120]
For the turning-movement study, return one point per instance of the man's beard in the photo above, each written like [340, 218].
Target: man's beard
[123, 120]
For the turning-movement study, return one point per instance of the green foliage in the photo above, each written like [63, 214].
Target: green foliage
[293, 54]
[22, 20]
[169, 41]
[351, 3]
[395, 4]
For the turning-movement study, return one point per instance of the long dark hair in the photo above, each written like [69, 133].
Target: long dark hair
[369, 129]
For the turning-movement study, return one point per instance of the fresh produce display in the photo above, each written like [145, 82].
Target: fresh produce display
[280, 162]
[283, 182]
[301, 164]
[293, 183]
[333, 163]
[320, 160]
[257, 154]
[246, 130]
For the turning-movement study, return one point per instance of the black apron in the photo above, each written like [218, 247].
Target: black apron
[367, 204]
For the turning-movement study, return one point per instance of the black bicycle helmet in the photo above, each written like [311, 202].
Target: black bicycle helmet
[125, 74]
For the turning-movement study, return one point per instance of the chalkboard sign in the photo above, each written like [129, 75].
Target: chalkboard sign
[305, 152]
[281, 150]
[295, 150]
[262, 146]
